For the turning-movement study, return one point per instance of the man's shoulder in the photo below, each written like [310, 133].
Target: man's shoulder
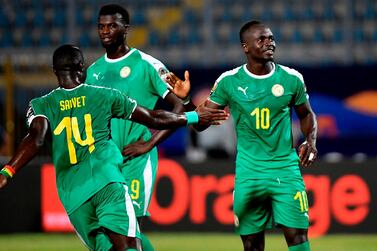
[230, 74]
[289, 71]
[145, 56]
[97, 88]
[51, 94]
[97, 63]
[151, 60]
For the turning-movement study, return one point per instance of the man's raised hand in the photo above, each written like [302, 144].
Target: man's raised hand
[179, 87]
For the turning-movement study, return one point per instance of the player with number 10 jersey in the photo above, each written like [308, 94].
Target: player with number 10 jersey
[261, 108]
[267, 162]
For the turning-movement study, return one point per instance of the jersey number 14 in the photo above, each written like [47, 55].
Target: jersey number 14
[71, 126]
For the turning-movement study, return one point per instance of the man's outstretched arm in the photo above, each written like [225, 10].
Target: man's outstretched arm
[182, 90]
[27, 149]
[161, 119]
[140, 147]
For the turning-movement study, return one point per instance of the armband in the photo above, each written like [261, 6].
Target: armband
[192, 117]
[8, 171]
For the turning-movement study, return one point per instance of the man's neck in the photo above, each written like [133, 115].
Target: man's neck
[117, 52]
[260, 68]
[69, 85]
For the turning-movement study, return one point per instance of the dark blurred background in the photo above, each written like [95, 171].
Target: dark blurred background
[332, 43]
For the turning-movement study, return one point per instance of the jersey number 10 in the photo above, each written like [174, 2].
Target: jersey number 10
[262, 118]
[72, 127]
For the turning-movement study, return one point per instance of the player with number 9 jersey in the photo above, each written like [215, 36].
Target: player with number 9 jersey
[138, 75]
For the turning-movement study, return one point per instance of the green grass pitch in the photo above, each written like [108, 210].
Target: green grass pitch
[187, 242]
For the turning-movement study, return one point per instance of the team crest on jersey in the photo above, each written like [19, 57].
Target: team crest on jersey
[277, 90]
[125, 72]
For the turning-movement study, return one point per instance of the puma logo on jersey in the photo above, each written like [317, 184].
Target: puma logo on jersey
[137, 204]
[242, 90]
[96, 75]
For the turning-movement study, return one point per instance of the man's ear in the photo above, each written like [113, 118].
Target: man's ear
[244, 46]
[127, 28]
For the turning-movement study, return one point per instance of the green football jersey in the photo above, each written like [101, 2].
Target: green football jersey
[261, 108]
[84, 156]
[138, 75]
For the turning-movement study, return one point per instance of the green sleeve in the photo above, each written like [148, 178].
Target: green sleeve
[90, 80]
[218, 93]
[37, 108]
[122, 106]
[301, 96]
[157, 71]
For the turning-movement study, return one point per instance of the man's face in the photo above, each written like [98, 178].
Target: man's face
[111, 30]
[259, 43]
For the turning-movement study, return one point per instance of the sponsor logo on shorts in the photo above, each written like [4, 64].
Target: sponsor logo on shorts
[137, 204]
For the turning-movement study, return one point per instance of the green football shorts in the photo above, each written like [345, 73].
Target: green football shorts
[260, 202]
[110, 208]
[140, 175]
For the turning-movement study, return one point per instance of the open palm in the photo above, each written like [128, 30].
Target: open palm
[179, 87]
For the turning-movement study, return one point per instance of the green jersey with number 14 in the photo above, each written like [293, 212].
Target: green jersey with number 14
[261, 108]
[84, 156]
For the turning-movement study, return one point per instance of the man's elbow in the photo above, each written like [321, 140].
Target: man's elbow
[39, 142]
[36, 139]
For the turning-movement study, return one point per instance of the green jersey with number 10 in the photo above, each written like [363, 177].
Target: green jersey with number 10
[261, 108]
[84, 156]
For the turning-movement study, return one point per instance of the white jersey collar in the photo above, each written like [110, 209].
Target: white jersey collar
[71, 89]
[109, 60]
[260, 76]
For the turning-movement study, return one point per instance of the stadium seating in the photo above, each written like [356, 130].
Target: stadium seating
[182, 23]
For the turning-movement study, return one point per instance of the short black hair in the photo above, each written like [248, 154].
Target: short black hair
[246, 26]
[113, 9]
[67, 57]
